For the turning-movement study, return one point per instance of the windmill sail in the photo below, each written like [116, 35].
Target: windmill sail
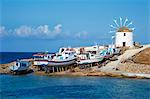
[112, 31]
[121, 25]
[129, 24]
[116, 23]
[113, 26]
[124, 24]
[120, 21]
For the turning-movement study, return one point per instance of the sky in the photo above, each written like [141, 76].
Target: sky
[47, 25]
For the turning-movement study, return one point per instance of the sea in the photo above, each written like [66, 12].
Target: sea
[31, 86]
[7, 57]
[60, 87]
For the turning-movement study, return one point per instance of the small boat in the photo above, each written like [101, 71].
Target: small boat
[41, 59]
[20, 65]
[88, 58]
[64, 58]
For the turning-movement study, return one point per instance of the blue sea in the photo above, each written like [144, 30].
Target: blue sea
[7, 57]
[31, 86]
[53, 87]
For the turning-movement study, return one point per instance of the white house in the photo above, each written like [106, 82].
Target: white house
[124, 37]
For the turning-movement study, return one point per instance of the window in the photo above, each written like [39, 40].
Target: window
[17, 64]
[124, 34]
[23, 64]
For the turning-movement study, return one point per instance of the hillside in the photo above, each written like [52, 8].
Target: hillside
[142, 57]
[139, 63]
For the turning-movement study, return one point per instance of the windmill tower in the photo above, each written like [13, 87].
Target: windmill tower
[123, 33]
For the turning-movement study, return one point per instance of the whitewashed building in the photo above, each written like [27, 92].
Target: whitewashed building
[124, 37]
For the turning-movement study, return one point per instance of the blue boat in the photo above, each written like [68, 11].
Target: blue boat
[20, 65]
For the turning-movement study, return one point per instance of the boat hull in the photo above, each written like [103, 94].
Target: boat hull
[89, 61]
[61, 63]
[40, 62]
[20, 68]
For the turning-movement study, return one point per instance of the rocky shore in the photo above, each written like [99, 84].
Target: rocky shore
[87, 72]
[4, 68]
[96, 73]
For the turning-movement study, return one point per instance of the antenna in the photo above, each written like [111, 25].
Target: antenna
[96, 45]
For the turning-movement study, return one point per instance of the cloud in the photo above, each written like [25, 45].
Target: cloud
[82, 34]
[41, 31]
[58, 28]
[2, 31]
[23, 31]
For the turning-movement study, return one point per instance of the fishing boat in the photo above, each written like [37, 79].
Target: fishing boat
[65, 57]
[88, 58]
[41, 59]
[20, 65]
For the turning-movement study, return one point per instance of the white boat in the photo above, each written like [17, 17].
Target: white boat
[42, 59]
[61, 62]
[20, 65]
[88, 58]
[66, 57]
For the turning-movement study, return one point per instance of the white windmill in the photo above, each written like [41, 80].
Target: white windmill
[123, 32]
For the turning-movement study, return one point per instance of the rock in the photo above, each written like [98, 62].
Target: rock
[134, 68]
[143, 57]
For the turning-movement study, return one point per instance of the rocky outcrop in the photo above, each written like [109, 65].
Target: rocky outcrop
[4, 68]
[142, 57]
[139, 63]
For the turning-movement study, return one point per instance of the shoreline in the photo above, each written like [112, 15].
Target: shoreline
[86, 73]
[98, 74]
[94, 74]
[133, 63]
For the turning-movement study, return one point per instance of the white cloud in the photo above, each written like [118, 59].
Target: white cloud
[82, 34]
[41, 31]
[58, 28]
[2, 31]
[23, 31]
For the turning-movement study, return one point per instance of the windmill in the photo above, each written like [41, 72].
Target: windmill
[123, 31]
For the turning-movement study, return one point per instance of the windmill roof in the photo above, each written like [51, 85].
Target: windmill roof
[124, 29]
